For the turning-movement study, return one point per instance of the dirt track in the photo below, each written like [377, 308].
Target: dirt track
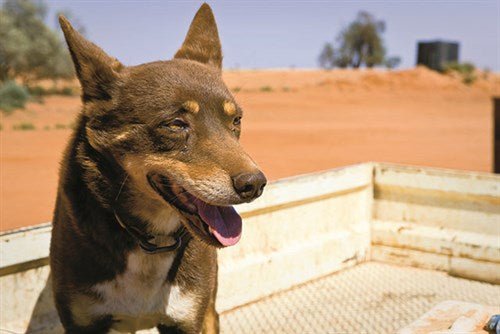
[295, 122]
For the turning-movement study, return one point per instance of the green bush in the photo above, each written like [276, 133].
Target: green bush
[24, 126]
[465, 70]
[459, 67]
[266, 89]
[39, 91]
[66, 91]
[12, 96]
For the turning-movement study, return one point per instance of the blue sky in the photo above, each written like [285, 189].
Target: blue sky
[263, 34]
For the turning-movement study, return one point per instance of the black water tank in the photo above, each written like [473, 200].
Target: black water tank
[435, 54]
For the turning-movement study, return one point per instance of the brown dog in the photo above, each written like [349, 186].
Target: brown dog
[146, 188]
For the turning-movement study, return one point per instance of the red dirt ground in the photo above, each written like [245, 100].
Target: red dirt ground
[295, 122]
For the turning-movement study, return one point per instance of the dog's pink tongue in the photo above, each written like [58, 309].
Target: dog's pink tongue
[224, 221]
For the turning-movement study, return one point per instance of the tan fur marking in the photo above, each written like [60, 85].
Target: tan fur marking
[229, 108]
[191, 106]
[122, 136]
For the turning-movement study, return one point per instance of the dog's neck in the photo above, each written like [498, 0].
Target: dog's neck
[158, 228]
[108, 185]
[148, 242]
[158, 220]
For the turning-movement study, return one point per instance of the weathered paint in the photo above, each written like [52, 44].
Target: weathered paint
[439, 219]
[452, 317]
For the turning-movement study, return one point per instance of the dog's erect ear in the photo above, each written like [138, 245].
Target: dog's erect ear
[96, 70]
[202, 41]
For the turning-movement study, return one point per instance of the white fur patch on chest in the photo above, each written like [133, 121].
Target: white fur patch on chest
[141, 298]
[180, 305]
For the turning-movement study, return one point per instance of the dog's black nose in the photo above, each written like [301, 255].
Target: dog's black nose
[249, 186]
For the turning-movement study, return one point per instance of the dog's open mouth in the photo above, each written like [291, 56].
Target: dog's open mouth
[219, 224]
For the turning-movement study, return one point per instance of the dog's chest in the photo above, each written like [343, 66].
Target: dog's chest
[141, 297]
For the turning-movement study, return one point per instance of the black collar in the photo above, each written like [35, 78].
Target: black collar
[181, 236]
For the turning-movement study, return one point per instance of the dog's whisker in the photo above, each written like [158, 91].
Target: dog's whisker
[121, 187]
[176, 197]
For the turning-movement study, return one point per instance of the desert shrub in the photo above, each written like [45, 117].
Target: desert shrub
[392, 62]
[236, 89]
[24, 126]
[66, 91]
[459, 67]
[12, 96]
[465, 70]
[60, 126]
[39, 91]
[327, 57]
[266, 89]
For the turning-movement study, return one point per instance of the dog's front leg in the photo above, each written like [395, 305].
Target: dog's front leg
[211, 319]
[211, 322]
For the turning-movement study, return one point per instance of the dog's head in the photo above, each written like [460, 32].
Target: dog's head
[174, 128]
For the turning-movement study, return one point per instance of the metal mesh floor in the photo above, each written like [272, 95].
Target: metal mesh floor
[368, 298]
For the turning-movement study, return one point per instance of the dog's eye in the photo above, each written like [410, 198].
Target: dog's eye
[176, 125]
[237, 121]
